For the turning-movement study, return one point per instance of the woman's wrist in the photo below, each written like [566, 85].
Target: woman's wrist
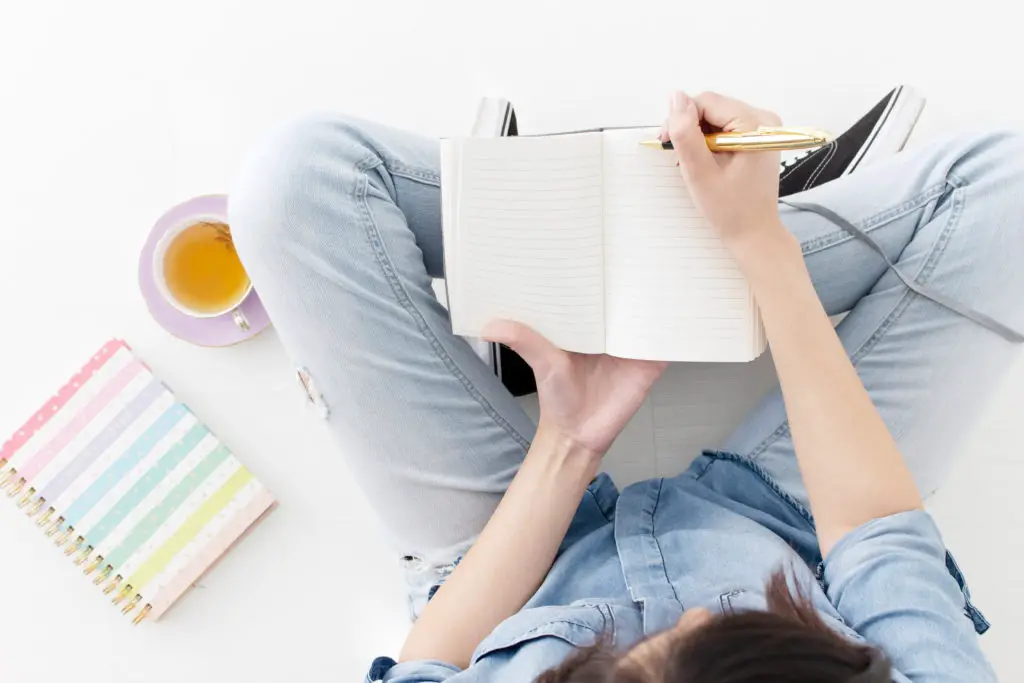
[562, 455]
[766, 247]
[513, 553]
[747, 244]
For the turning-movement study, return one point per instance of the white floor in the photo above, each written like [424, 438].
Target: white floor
[110, 111]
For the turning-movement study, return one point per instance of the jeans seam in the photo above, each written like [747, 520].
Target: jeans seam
[878, 220]
[411, 173]
[387, 269]
[871, 223]
[396, 167]
[597, 502]
[921, 277]
[657, 544]
[703, 470]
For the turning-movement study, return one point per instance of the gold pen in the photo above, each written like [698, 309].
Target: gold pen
[764, 139]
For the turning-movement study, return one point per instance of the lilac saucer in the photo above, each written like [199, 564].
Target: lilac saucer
[219, 331]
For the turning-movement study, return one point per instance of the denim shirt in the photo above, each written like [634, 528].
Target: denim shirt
[711, 537]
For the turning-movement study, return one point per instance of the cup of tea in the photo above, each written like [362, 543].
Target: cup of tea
[197, 270]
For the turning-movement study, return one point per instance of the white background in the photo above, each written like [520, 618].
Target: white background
[112, 111]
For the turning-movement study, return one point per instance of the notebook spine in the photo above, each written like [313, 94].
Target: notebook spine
[74, 546]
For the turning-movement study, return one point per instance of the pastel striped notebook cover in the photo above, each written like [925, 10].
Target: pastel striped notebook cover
[128, 481]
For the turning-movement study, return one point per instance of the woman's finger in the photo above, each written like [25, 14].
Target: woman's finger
[695, 159]
[769, 118]
[729, 114]
[537, 351]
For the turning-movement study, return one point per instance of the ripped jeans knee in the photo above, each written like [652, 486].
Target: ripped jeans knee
[423, 579]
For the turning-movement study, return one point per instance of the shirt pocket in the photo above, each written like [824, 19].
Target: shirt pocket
[737, 601]
[575, 625]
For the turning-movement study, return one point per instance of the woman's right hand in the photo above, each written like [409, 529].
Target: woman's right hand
[738, 192]
[850, 464]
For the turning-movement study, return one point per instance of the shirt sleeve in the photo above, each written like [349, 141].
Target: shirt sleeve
[385, 670]
[889, 581]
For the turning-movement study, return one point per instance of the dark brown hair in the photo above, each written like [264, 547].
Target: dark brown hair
[788, 643]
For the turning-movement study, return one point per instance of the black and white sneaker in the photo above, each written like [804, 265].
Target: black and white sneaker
[880, 133]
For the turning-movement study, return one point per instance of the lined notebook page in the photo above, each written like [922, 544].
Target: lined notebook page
[523, 236]
[672, 291]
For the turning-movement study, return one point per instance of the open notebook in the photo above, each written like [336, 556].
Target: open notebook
[592, 240]
[130, 483]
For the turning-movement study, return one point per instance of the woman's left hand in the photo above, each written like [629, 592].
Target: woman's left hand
[586, 398]
[585, 401]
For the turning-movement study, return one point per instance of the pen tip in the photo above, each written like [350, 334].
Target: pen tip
[656, 144]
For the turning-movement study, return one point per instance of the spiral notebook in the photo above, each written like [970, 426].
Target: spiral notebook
[129, 483]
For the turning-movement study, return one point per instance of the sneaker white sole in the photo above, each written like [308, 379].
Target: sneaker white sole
[892, 129]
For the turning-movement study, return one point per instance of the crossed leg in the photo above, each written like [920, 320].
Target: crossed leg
[338, 223]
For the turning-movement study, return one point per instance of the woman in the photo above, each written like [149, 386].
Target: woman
[799, 553]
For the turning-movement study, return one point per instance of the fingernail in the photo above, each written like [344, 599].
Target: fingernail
[678, 101]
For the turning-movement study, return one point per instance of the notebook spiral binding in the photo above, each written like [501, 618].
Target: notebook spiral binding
[15, 488]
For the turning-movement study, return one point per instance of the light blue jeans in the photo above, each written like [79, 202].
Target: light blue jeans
[338, 222]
